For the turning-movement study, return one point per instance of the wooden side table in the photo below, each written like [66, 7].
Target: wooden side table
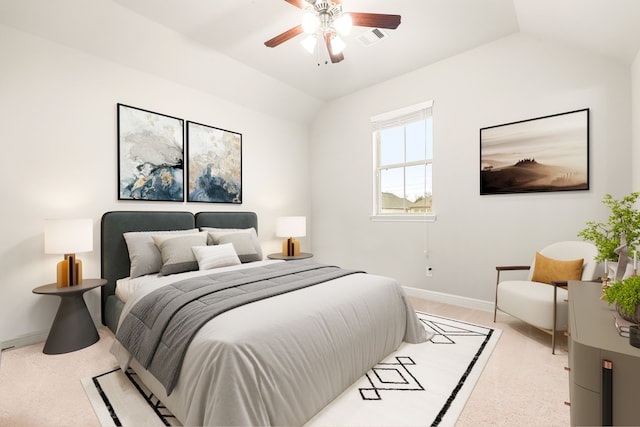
[73, 327]
[302, 255]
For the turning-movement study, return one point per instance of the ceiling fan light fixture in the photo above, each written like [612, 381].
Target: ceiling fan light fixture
[337, 45]
[324, 23]
[309, 43]
[343, 24]
[310, 22]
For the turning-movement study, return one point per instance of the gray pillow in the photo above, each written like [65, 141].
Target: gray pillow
[215, 256]
[245, 243]
[144, 255]
[177, 256]
[215, 233]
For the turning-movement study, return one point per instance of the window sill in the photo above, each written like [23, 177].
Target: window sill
[404, 218]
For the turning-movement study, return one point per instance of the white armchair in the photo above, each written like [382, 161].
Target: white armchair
[541, 299]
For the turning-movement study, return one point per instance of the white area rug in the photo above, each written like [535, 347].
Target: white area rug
[419, 385]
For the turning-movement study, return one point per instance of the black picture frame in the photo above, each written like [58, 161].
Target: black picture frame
[214, 164]
[543, 154]
[150, 155]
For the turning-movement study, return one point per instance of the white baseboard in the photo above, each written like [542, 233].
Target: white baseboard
[466, 302]
[24, 340]
[33, 338]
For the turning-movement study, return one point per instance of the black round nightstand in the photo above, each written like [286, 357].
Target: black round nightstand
[302, 255]
[73, 327]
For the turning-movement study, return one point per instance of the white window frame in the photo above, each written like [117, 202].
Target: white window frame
[382, 120]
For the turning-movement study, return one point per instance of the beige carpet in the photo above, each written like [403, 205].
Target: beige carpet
[45, 390]
[522, 384]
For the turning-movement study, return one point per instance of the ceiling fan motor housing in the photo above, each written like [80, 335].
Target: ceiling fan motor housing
[327, 7]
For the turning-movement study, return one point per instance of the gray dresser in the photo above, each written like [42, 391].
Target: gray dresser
[604, 370]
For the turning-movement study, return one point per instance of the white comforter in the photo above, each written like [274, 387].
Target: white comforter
[281, 360]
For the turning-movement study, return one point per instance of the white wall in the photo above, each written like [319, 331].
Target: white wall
[59, 144]
[515, 78]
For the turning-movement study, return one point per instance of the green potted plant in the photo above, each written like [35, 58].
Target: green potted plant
[626, 295]
[624, 219]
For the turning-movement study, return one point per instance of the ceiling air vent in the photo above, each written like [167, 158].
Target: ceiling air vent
[371, 37]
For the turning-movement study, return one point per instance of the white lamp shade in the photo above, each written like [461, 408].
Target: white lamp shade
[291, 226]
[68, 236]
[309, 44]
[310, 22]
[343, 24]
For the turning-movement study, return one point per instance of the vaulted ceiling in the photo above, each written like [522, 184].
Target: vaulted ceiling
[431, 30]
[195, 36]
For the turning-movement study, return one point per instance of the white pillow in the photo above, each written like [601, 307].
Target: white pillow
[215, 256]
[177, 256]
[144, 255]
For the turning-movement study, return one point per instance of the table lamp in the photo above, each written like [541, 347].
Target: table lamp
[68, 236]
[291, 227]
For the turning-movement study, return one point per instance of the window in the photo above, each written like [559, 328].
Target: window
[403, 162]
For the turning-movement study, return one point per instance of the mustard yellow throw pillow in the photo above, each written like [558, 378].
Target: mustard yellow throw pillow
[547, 270]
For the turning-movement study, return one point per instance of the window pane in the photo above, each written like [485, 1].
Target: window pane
[416, 141]
[392, 181]
[419, 188]
[392, 190]
[428, 183]
[415, 182]
[391, 146]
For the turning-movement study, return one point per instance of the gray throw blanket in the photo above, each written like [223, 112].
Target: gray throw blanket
[159, 328]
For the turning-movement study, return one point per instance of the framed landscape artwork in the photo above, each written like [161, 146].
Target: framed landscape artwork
[150, 155]
[548, 153]
[214, 166]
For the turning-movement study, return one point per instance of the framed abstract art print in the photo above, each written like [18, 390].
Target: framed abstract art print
[150, 155]
[214, 164]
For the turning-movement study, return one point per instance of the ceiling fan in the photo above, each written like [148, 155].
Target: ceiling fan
[325, 20]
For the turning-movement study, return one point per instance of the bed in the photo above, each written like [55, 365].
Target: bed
[272, 361]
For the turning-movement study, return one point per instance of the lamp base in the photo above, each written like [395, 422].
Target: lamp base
[69, 276]
[291, 247]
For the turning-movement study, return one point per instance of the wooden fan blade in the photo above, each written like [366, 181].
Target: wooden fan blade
[335, 58]
[375, 20]
[300, 4]
[287, 35]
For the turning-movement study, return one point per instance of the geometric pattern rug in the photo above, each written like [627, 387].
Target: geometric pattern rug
[424, 384]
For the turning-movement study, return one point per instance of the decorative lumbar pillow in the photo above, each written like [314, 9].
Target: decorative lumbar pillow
[245, 241]
[144, 255]
[177, 256]
[215, 256]
[216, 233]
[547, 270]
